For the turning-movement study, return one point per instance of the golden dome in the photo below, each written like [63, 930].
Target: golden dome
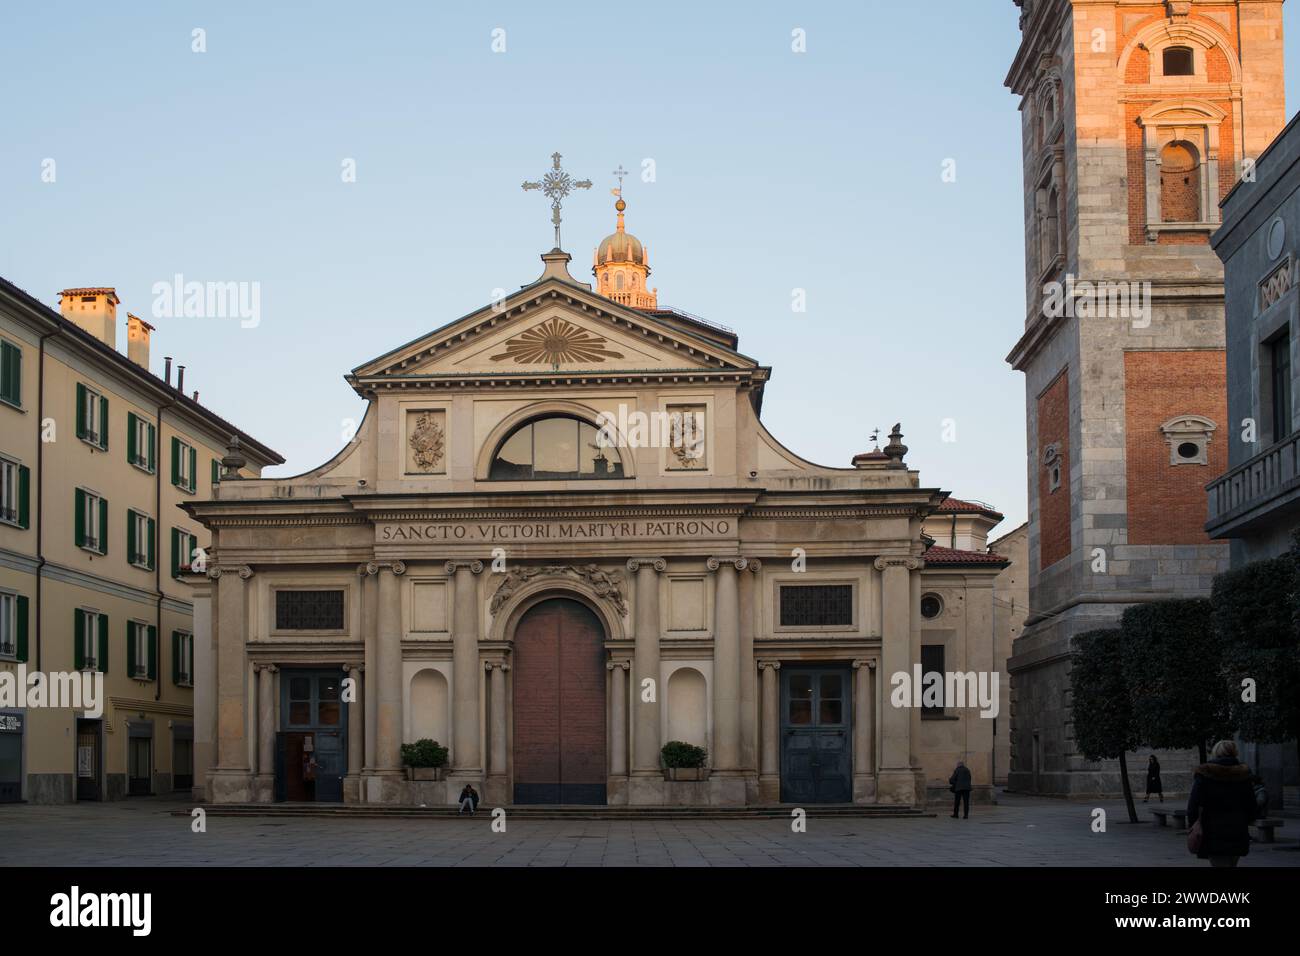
[620, 246]
[621, 266]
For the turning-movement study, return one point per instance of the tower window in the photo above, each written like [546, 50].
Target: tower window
[1179, 61]
[1188, 437]
[618, 282]
[1180, 183]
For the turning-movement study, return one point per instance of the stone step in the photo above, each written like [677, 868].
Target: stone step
[535, 812]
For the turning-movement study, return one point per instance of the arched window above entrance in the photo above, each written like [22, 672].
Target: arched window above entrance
[554, 448]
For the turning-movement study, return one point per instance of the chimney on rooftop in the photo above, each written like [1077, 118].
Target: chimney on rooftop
[94, 310]
[167, 369]
[180, 379]
[137, 340]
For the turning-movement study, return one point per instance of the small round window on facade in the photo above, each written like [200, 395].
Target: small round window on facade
[1189, 449]
[1188, 438]
[931, 606]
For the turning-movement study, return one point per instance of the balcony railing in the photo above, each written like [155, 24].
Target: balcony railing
[1245, 492]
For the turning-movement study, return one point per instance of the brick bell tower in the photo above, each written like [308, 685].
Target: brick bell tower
[1137, 118]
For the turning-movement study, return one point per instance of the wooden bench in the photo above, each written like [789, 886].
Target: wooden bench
[1266, 828]
[1162, 817]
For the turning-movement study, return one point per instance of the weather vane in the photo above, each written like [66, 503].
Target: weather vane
[875, 438]
[620, 173]
[555, 185]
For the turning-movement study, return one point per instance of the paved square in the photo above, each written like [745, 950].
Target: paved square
[1020, 831]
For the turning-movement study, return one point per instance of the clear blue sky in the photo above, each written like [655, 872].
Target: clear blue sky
[775, 171]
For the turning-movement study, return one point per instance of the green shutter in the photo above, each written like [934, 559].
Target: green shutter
[79, 639]
[131, 629]
[176, 550]
[176, 460]
[103, 423]
[81, 410]
[103, 526]
[152, 639]
[194, 474]
[24, 496]
[130, 536]
[132, 453]
[11, 372]
[176, 657]
[153, 432]
[149, 530]
[103, 643]
[20, 625]
[79, 521]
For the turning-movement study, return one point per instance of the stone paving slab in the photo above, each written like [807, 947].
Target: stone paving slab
[1020, 831]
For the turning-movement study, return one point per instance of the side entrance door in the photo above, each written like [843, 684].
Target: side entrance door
[89, 763]
[816, 735]
[311, 747]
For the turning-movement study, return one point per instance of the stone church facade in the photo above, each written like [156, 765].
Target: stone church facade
[561, 538]
[1137, 119]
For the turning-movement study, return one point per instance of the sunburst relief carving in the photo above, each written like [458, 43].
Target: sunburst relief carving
[555, 342]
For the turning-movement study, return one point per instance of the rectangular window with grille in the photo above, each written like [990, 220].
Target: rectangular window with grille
[816, 605]
[309, 610]
[931, 663]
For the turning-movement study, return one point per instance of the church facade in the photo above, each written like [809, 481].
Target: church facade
[561, 539]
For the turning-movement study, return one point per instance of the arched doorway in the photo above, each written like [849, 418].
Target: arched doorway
[559, 705]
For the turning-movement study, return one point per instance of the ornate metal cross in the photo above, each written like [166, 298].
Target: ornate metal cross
[620, 173]
[555, 185]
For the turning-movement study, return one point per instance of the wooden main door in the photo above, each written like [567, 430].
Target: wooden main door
[559, 705]
[816, 735]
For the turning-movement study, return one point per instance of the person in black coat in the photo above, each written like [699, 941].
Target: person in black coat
[1153, 780]
[1223, 800]
[959, 784]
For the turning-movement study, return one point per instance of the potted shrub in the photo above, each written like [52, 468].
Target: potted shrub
[683, 761]
[425, 760]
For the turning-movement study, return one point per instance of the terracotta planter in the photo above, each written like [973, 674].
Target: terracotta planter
[426, 773]
[686, 773]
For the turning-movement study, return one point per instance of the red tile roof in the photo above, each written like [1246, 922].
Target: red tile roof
[951, 505]
[937, 555]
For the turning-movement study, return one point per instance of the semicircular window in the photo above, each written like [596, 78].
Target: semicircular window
[555, 448]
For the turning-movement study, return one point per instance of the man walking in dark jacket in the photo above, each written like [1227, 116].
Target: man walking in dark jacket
[1223, 802]
[959, 784]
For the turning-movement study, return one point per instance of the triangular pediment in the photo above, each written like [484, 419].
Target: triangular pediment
[554, 327]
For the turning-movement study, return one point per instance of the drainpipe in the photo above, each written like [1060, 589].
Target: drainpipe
[40, 486]
[158, 549]
[953, 542]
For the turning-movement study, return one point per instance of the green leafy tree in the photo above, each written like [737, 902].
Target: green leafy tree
[1100, 704]
[1256, 614]
[1177, 679]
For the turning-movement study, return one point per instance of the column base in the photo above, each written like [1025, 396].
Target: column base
[896, 787]
[769, 788]
[645, 788]
[352, 788]
[264, 788]
[616, 791]
[384, 787]
[864, 788]
[495, 792]
[727, 788]
[232, 786]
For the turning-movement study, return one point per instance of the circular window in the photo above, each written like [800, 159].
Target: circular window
[931, 606]
[1276, 237]
[1189, 449]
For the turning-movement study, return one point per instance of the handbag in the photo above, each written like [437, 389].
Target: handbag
[1194, 837]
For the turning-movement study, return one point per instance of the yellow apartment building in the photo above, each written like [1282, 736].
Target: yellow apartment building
[96, 453]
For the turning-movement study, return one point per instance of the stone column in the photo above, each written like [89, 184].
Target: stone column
[646, 785]
[748, 586]
[896, 783]
[726, 781]
[497, 673]
[618, 718]
[369, 574]
[253, 703]
[769, 776]
[466, 759]
[864, 731]
[232, 777]
[266, 733]
[356, 735]
[385, 782]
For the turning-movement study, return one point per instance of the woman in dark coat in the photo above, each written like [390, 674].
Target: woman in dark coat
[1153, 780]
[1223, 800]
